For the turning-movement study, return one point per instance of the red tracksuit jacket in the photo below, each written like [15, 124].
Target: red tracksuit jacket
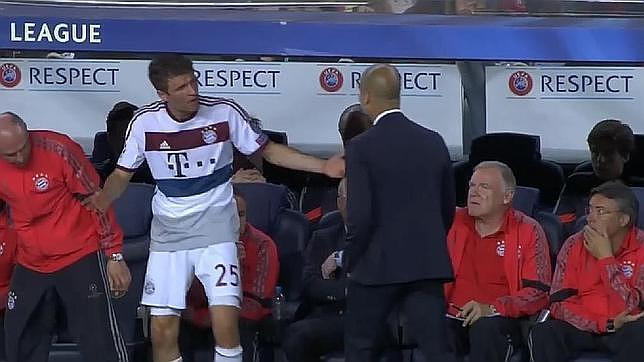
[8, 242]
[526, 262]
[587, 292]
[54, 229]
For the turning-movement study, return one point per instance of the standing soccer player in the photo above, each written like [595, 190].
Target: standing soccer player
[187, 140]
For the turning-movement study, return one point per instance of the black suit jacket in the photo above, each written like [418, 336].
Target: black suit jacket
[324, 296]
[400, 204]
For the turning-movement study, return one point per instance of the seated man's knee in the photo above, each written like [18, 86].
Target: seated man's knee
[634, 330]
[164, 330]
[297, 340]
[486, 326]
[541, 332]
[295, 337]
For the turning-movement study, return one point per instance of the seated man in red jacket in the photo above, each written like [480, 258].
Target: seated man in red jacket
[598, 287]
[260, 270]
[501, 267]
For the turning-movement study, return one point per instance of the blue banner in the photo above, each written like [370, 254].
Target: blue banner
[218, 32]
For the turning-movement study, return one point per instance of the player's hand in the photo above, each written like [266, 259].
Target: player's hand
[96, 202]
[473, 311]
[625, 317]
[334, 166]
[119, 277]
[329, 266]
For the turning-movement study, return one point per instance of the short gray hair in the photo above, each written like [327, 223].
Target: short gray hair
[506, 172]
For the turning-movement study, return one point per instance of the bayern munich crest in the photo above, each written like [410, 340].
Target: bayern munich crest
[628, 267]
[520, 83]
[331, 79]
[209, 135]
[500, 248]
[41, 182]
[9, 75]
[149, 287]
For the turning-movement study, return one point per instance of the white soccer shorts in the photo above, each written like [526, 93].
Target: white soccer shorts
[170, 273]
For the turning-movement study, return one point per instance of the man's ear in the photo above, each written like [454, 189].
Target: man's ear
[508, 197]
[163, 95]
[624, 220]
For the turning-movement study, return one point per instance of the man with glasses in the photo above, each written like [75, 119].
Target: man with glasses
[611, 143]
[501, 268]
[598, 285]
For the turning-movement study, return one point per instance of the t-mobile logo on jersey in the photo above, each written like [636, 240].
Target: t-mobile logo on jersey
[178, 162]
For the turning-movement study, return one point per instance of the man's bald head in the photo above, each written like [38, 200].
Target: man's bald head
[379, 89]
[10, 118]
[383, 81]
[14, 139]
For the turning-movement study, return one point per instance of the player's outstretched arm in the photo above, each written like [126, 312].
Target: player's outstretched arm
[288, 157]
[112, 190]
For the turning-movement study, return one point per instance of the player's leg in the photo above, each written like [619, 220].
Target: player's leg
[167, 280]
[218, 271]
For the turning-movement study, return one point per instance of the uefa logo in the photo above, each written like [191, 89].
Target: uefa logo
[9, 75]
[331, 79]
[520, 83]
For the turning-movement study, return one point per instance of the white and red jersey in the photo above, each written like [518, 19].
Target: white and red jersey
[191, 162]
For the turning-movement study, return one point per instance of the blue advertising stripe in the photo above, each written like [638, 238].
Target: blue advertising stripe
[333, 34]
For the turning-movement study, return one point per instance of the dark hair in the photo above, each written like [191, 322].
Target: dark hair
[623, 196]
[166, 66]
[611, 135]
[116, 124]
[353, 121]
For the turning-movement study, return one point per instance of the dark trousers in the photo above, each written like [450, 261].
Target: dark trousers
[3, 355]
[558, 341]
[491, 339]
[252, 335]
[83, 291]
[368, 308]
[309, 339]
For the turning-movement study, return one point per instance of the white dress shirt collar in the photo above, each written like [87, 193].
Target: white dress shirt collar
[378, 117]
